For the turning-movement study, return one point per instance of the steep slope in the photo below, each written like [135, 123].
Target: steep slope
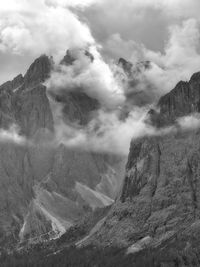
[158, 207]
[39, 197]
[182, 100]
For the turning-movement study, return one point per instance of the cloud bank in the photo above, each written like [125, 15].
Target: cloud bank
[95, 78]
[12, 135]
[38, 27]
[104, 28]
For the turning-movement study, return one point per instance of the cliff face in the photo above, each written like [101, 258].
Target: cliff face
[182, 100]
[159, 204]
[45, 188]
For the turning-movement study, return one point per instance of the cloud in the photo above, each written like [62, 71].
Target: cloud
[190, 122]
[95, 78]
[36, 27]
[116, 47]
[183, 8]
[73, 3]
[180, 59]
[105, 133]
[39, 26]
[12, 135]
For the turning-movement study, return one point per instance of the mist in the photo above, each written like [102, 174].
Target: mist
[124, 100]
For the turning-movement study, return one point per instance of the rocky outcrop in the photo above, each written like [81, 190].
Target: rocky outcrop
[77, 106]
[38, 179]
[133, 69]
[12, 85]
[38, 72]
[182, 100]
[71, 56]
[35, 103]
[158, 206]
[143, 169]
[126, 65]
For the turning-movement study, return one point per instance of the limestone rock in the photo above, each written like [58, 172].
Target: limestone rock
[160, 196]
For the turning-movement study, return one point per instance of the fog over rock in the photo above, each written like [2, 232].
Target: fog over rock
[40, 174]
[158, 206]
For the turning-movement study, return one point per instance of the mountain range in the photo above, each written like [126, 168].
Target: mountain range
[140, 210]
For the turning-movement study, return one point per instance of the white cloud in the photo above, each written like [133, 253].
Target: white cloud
[180, 59]
[190, 122]
[73, 3]
[94, 78]
[35, 27]
[115, 46]
[12, 135]
[51, 27]
[105, 133]
[177, 8]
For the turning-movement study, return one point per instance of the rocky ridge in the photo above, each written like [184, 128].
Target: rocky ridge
[158, 207]
[38, 181]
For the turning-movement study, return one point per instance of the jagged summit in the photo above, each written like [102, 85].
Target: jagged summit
[14, 84]
[195, 77]
[126, 65]
[76, 181]
[71, 56]
[158, 208]
[49, 188]
[133, 69]
[183, 100]
[38, 72]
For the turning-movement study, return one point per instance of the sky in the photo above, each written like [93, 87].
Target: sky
[162, 31]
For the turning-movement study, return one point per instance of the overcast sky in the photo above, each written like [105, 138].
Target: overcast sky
[163, 31]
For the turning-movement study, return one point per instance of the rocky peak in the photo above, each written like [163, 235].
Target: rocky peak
[161, 188]
[126, 65]
[182, 100]
[133, 69]
[38, 72]
[68, 58]
[71, 56]
[12, 85]
[195, 77]
[143, 65]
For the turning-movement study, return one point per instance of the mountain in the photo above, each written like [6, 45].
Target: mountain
[81, 203]
[138, 89]
[157, 212]
[45, 187]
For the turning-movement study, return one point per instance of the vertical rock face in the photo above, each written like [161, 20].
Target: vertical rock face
[126, 65]
[77, 106]
[23, 102]
[71, 56]
[35, 104]
[38, 180]
[38, 72]
[14, 84]
[160, 197]
[143, 169]
[182, 100]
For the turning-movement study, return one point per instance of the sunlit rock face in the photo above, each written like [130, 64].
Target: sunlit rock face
[159, 203]
[38, 178]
